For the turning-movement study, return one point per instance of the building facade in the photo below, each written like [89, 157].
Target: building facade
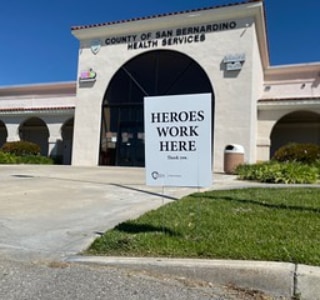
[98, 120]
[43, 114]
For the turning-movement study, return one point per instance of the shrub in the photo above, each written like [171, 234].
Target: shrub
[277, 172]
[316, 164]
[305, 153]
[8, 158]
[35, 160]
[21, 148]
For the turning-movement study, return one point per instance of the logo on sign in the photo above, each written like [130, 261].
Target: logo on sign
[88, 76]
[156, 175]
[95, 46]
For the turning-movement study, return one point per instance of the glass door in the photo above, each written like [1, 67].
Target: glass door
[130, 144]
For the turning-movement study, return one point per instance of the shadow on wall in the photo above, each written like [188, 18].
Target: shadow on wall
[316, 82]
[56, 153]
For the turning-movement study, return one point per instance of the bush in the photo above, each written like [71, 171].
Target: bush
[22, 152]
[277, 172]
[8, 158]
[304, 153]
[21, 148]
[317, 166]
[35, 160]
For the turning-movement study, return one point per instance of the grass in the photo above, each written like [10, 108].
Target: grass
[274, 224]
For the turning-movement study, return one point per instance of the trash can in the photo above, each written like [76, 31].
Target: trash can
[233, 156]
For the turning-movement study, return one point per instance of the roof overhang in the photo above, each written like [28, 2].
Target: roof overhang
[311, 103]
[307, 68]
[56, 110]
[65, 88]
[253, 8]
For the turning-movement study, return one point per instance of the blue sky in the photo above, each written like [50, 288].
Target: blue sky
[37, 45]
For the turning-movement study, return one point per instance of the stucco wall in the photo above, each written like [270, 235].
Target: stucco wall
[32, 102]
[288, 89]
[292, 81]
[235, 110]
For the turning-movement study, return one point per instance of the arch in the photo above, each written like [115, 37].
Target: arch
[36, 131]
[295, 127]
[67, 141]
[3, 133]
[153, 73]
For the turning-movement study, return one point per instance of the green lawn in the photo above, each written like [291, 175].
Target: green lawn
[275, 224]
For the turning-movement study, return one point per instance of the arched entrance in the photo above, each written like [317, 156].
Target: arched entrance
[3, 133]
[67, 139]
[155, 73]
[296, 127]
[35, 130]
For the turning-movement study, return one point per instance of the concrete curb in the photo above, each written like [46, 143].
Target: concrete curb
[275, 278]
[308, 282]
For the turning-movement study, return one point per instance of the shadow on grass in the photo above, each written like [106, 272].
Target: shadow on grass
[144, 228]
[263, 204]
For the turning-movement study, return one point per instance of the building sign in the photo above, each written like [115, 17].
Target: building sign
[87, 76]
[171, 37]
[178, 140]
[234, 62]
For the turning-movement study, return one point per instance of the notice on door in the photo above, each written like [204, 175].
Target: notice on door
[178, 140]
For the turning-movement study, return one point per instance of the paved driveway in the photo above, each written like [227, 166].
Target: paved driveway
[55, 211]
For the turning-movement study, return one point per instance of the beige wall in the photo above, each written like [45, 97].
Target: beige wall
[52, 103]
[288, 89]
[235, 97]
[270, 115]
[292, 81]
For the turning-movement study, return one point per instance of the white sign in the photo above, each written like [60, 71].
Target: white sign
[178, 140]
[234, 66]
[234, 62]
[234, 58]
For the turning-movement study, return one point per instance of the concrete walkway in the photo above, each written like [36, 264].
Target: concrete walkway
[55, 212]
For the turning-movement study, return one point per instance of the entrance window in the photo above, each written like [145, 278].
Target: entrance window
[155, 73]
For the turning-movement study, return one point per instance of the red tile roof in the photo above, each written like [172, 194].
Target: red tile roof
[26, 109]
[291, 99]
[161, 15]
